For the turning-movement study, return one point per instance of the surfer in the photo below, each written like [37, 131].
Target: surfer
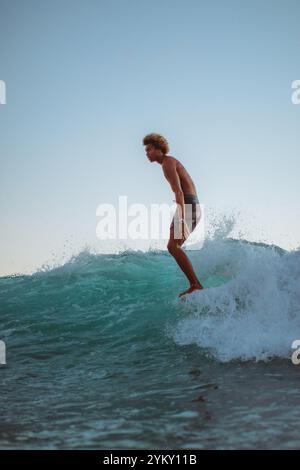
[188, 208]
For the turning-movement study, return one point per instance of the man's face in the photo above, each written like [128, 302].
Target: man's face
[151, 152]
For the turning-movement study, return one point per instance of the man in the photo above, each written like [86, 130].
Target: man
[188, 208]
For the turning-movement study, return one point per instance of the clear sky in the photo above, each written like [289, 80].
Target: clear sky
[86, 80]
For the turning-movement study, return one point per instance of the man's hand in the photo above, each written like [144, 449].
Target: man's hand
[184, 229]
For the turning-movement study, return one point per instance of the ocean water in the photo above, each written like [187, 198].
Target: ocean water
[102, 354]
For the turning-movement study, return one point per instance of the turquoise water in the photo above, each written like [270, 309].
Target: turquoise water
[101, 353]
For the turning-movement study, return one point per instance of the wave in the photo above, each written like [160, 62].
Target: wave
[249, 309]
[255, 315]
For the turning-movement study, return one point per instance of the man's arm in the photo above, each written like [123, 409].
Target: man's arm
[170, 172]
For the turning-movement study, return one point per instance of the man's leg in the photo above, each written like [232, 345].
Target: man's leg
[174, 248]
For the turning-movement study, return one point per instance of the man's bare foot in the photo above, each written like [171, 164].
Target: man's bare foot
[191, 289]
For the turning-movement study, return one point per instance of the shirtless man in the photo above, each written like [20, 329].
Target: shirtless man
[156, 147]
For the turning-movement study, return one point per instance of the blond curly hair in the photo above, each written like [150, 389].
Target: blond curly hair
[158, 141]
